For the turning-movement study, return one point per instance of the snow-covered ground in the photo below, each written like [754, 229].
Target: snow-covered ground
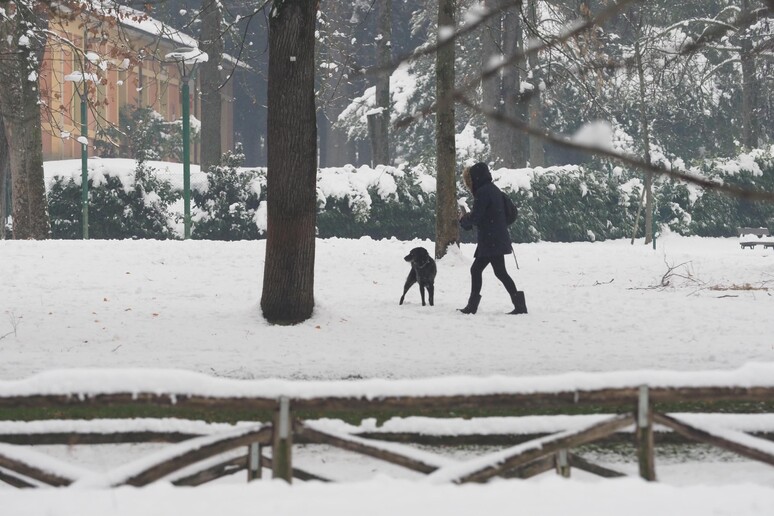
[194, 305]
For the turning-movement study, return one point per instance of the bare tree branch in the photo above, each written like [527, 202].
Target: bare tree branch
[563, 141]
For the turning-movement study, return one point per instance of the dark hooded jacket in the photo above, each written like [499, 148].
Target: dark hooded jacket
[488, 214]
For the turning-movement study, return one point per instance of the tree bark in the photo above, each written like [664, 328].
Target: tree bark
[515, 108]
[5, 174]
[749, 89]
[446, 222]
[381, 147]
[210, 41]
[491, 50]
[645, 127]
[503, 37]
[20, 108]
[537, 154]
[336, 89]
[288, 281]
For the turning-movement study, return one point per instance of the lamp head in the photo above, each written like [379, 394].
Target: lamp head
[187, 59]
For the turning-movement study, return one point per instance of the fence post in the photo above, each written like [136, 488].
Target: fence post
[645, 446]
[282, 442]
[563, 463]
[254, 453]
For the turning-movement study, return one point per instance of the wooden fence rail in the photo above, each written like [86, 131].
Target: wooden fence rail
[430, 403]
[288, 427]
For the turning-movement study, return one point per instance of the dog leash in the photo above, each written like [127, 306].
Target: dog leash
[514, 257]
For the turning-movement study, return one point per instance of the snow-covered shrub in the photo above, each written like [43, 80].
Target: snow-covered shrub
[568, 203]
[119, 207]
[673, 206]
[561, 203]
[718, 214]
[381, 203]
[227, 209]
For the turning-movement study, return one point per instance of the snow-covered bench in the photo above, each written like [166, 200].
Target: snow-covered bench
[746, 233]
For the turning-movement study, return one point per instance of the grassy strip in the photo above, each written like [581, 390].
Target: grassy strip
[213, 415]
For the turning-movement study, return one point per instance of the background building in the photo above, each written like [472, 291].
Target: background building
[122, 58]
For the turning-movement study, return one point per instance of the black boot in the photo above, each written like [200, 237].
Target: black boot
[519, 303]
[472, 305]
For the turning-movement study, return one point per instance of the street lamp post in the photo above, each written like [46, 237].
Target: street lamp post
[186, 159]
[81, 78]
[84, 167]
[187, 59]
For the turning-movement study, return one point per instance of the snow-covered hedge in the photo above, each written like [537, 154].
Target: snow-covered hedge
[562, 203]
[136, 205]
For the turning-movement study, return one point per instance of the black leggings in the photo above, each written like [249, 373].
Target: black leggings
[498, 265]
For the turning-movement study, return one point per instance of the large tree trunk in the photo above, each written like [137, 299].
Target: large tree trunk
[288, 280]
[381, 142]
[446, 224]
[20, 108]
[210, 41]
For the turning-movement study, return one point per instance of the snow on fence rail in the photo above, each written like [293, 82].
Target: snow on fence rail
[194, 460]
[752, 382]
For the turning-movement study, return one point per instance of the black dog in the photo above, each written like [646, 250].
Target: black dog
[422, 271]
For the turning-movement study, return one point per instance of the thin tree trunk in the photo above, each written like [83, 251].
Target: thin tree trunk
[20, 108]
[381, 147]
[491, 90]
[749, 89]
[288, 280]
[515, 109]
[336, 148]
[503, 37]
[5, 174]
[323, 132]
[446, 224]
[537, 154]
[645, 125]
[210, 80]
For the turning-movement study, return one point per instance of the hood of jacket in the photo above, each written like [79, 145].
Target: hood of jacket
[480, 175]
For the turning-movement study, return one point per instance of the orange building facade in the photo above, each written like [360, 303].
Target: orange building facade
[126, 68]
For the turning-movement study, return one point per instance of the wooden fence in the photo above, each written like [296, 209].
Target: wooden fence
[193, 458]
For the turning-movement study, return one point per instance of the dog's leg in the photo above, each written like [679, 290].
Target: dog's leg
[430, 292]
[409, 281]
[422, 293]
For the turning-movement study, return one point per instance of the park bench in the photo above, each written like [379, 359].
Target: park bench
[744, 233]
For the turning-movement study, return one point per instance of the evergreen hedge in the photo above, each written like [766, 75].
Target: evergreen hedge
[561, 203]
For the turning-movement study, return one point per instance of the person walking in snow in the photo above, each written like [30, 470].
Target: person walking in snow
[494, 242]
